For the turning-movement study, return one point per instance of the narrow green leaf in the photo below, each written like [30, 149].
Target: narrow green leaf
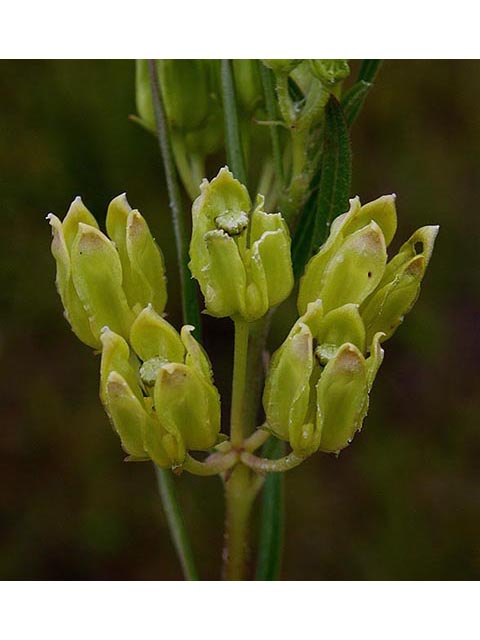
[233, 142]
[302, 240]
[352, 101]
[176, 523]
[272, 524]
[336, 169]
[369, 69]
[271, 109]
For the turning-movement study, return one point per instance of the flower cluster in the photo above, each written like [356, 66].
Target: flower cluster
[157, 384]
[350, 300]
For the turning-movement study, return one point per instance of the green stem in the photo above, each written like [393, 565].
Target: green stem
[176, 524]
[239, 381]
[191, 314]
[239, 496]
[232, 129]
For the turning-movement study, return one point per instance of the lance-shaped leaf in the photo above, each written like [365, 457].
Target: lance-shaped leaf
[353, 100]
[97, 277]
[341, 396]
[336, 170]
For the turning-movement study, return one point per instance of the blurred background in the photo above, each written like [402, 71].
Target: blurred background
[403, 502]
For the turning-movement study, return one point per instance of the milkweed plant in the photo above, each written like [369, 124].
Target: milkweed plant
[274, 221]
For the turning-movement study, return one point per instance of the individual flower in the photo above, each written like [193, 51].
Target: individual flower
[106, 281]
[240, 257]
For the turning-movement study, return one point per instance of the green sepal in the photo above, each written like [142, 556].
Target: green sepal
[97, 277]
[187, 405]
[74, 310]
[152, 336]
[341, 398]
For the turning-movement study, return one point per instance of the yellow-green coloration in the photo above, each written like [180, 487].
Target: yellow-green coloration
[351, 267]
[240, 257]
[106, 281]
[160, 394]
[351, 299]
[316, 393]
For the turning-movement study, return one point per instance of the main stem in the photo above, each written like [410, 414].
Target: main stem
[238, 492]
[239, 382]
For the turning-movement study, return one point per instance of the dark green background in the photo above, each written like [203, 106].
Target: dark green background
[403, 502]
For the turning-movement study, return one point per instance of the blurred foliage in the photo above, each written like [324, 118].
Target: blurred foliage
[402, 503]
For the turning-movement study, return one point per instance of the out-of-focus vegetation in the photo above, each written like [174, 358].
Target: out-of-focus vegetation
[403, 502]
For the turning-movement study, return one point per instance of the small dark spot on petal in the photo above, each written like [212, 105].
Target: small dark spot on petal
[369, 274]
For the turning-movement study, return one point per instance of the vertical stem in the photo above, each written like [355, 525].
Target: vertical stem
[191, 313]
[232, 128]
[176, 523]
[238, 498]
[239, 381]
